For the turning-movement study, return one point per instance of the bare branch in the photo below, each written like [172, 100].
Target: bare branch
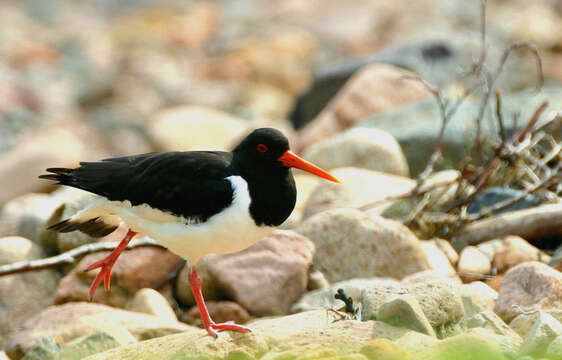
[69, 257]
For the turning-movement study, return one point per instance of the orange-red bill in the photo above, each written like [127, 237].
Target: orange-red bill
[289, 159]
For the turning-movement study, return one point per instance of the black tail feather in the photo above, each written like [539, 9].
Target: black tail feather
[94, 227]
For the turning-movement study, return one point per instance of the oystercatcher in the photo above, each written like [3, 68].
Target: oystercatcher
[194, 203]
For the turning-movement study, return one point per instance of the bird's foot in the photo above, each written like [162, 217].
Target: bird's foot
[213, 329]
[105, 265]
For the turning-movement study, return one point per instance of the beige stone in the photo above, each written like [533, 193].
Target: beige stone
[367, 148]
[351, 244]
[150, 301]
[473, 264]
[532, 286]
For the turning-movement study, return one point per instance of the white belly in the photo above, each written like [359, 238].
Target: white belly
[231, 230]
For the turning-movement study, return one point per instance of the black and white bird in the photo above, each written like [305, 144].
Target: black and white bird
[194, 203]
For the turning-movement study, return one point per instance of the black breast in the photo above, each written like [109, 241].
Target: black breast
[273, 199]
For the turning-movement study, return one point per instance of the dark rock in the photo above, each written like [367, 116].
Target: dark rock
[494, 195]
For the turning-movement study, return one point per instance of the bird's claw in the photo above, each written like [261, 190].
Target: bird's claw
[105, 265]
[213, 329]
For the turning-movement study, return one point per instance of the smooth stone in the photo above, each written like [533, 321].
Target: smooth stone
[150, 301]
[514, 251]
[404, 311]
[473, 264]
[532, 286]
[351, 244]
[477, 297]
[366, 148]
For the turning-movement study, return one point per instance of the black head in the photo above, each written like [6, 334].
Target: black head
[262, 149]
[266, 152]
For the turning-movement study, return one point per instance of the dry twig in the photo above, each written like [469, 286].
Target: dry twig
[69, 257]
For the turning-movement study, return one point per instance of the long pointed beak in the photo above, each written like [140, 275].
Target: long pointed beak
[289, 159]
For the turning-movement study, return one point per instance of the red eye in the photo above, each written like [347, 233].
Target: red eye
[262, 148]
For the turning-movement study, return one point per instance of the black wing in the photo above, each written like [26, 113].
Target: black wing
[191, 184]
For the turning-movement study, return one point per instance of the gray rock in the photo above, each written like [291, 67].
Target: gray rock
[404, 311]
[543, 332]
[439, 299]
[494, 195]
[417, 138]
[22, 295]
[351, 244]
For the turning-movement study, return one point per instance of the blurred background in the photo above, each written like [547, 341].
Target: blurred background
[84, 79]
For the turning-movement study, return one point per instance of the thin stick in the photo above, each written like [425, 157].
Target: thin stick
[68, 257]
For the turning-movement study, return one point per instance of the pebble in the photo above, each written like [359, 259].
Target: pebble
[531, 285]
[473, 264]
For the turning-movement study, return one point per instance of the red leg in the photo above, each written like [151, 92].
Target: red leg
[210, 326]
[106, 264]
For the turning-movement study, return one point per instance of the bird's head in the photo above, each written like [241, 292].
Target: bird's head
[267, 149]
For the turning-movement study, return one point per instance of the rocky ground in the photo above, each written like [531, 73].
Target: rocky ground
[83, 81]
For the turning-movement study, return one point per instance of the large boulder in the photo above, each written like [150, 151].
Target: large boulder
[351, 244]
